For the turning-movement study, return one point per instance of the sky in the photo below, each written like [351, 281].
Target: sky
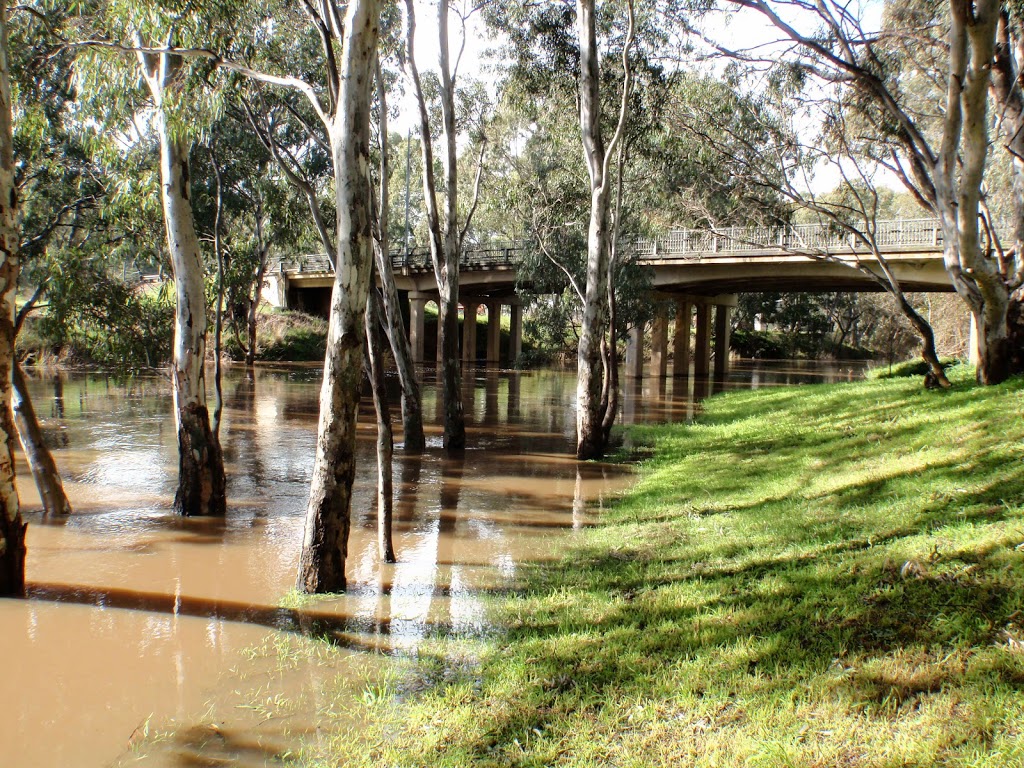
[743, 29]
[472, 64]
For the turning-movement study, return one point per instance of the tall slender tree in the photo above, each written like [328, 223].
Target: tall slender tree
[412, 409]
[201, 482]
[592, 361]
[325, 541]
[447, 234]
[153, 40]
[12, 527]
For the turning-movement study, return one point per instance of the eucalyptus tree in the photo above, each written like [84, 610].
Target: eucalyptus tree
[760, 134]
[12, 527]
[348, 39]
[412, 410]
[58, 191]
[289, 129]
[938, 153]
[591, 432]
[151, 39]
[447, 232]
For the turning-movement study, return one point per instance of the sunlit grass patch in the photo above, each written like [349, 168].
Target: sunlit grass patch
[814, 576]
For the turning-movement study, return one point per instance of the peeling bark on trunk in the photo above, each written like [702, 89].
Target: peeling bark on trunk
[40, 460]
[325, 540]
[201, 482]
[959, 172]
[385, 438]
[12, 527]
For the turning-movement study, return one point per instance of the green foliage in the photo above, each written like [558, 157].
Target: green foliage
[285, 336]
[94, 317]
[760, 345]
[827, 575]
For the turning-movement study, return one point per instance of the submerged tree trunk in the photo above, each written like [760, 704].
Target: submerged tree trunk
[12, 527]
[200, 462]
[589, 432]
[325, 540]
[218, 323]
[444, 239]
[253, 300]
[412, 408]
[385, 439]
[40, 460]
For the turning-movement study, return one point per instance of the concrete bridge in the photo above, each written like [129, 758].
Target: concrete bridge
[701, 271]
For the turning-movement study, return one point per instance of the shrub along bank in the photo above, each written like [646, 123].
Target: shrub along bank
[812, 576]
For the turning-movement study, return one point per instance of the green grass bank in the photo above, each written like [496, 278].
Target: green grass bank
[812, 576]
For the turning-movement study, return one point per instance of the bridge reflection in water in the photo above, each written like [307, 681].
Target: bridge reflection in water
[696, 276]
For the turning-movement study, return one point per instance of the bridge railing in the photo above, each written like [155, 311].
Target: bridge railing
[683, 244]
[482, 256]
[925, 233]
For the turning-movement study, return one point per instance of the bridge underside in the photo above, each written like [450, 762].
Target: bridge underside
[916, 272]
[703, 287]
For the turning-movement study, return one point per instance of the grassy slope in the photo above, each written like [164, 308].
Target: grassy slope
[823, 576]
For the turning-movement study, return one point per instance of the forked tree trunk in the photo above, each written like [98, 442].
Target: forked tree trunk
[375, 342]
[959, 171]
[40, 460]
[325, 540]
[12, 528]
[200, 461]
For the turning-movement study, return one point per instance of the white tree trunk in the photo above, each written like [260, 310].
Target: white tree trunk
[200, 463]
[958, 187]
[325, 540]
[589, 432]
[12, 528]
[444, 236]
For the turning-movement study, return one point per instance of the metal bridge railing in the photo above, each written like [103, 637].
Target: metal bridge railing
[924, 233]
[684, 244]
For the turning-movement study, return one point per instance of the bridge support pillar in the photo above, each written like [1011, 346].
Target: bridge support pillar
[681, 339]
[723, 327]
[635, 352]
[494, 332]
[515, 339]
[469, 314]
[417, 326]
[702, 343]
[659, 344]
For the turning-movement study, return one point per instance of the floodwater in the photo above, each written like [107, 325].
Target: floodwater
[151, 639]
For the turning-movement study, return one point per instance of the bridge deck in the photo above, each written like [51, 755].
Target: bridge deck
[797, 257]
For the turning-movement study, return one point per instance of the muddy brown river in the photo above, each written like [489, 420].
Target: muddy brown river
[149, 639]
